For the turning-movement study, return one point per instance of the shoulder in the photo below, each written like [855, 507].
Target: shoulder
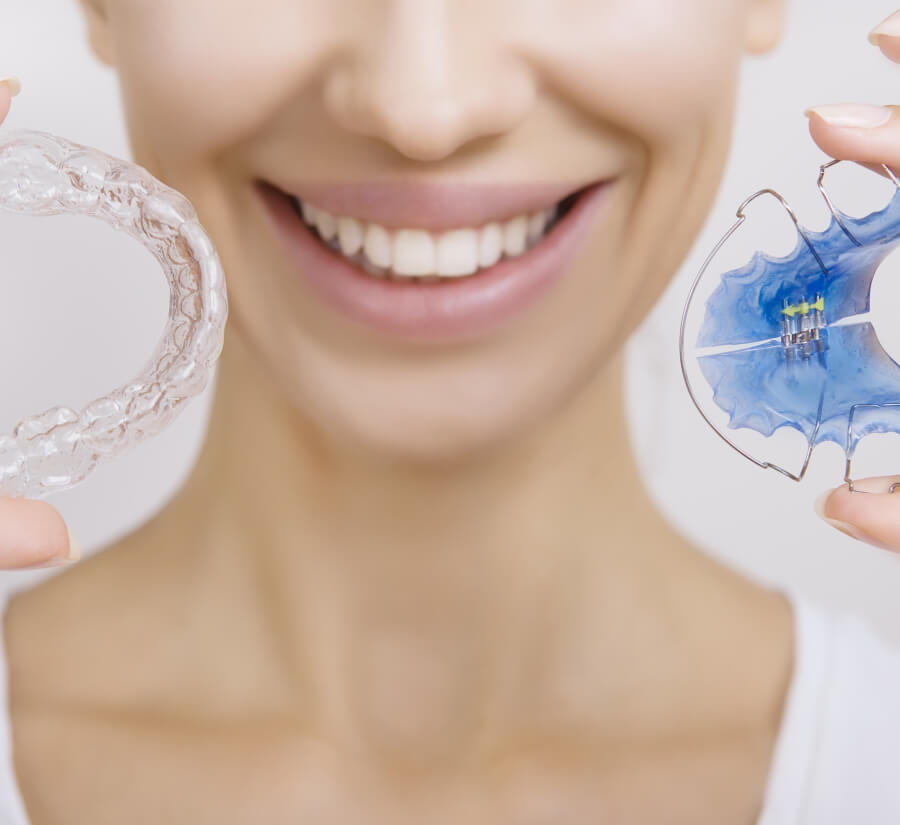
[852, 690]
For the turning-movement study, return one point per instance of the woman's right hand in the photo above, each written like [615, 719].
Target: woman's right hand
[32, 532]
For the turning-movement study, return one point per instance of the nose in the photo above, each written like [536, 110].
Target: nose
[428, 80]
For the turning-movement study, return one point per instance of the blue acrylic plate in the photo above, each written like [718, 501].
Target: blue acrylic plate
[787, 342]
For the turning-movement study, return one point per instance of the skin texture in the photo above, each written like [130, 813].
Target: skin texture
[407, 583]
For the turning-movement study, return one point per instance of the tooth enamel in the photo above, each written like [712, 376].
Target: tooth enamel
[350, 233]
[309, 213]
[414, 252]
[457, 252]
[536, 224]
[378, 245]
[369, 267]
[514, 235]
[490, 246]
[327, 224]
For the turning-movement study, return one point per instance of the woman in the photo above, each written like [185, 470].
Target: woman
[414, 575]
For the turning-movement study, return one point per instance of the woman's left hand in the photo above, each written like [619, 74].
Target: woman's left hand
[869, 135]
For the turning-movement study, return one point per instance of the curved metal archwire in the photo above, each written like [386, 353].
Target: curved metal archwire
[836, 214]
[851, 446]
[741, 217]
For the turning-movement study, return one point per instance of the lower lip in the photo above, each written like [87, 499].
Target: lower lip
[465, 307]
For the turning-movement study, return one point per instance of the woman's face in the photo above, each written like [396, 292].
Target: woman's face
[306, 95]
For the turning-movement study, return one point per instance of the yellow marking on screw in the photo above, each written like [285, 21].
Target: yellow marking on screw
[804, 308]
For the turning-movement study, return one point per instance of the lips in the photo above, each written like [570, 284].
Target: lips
[443, 311]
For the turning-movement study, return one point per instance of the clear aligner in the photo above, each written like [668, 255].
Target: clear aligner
[41, 174]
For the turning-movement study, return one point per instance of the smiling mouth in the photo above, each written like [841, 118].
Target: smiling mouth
[421, 256]
[403, 294]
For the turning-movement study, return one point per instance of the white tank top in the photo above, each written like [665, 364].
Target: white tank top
[837, 756]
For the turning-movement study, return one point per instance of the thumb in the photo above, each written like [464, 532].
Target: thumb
[33, 534]
[871, 514]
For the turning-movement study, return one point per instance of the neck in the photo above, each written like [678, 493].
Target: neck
[421, 609]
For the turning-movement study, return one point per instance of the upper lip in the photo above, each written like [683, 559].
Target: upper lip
[431, 205]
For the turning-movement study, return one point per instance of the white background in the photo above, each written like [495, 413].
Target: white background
[92, 307]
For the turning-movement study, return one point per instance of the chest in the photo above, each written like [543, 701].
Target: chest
[109, 768]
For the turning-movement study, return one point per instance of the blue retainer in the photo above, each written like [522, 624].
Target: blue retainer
[793, 344]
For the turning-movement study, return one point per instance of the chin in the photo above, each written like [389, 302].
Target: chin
[438, 440]
[420, 432]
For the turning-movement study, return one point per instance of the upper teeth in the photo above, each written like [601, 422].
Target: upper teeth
[416, 252]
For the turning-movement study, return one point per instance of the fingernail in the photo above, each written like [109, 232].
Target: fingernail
[74, 547]
[847, 529]
[860, 115]
[843, 526]
[13, 84]
[889, 28]
[73, 555]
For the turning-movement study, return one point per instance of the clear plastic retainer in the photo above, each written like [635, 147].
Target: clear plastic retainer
[41, 174]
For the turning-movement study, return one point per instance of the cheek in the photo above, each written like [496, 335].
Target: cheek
[650, 67]
[675, 66]
[200, 76]
[206, 73]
